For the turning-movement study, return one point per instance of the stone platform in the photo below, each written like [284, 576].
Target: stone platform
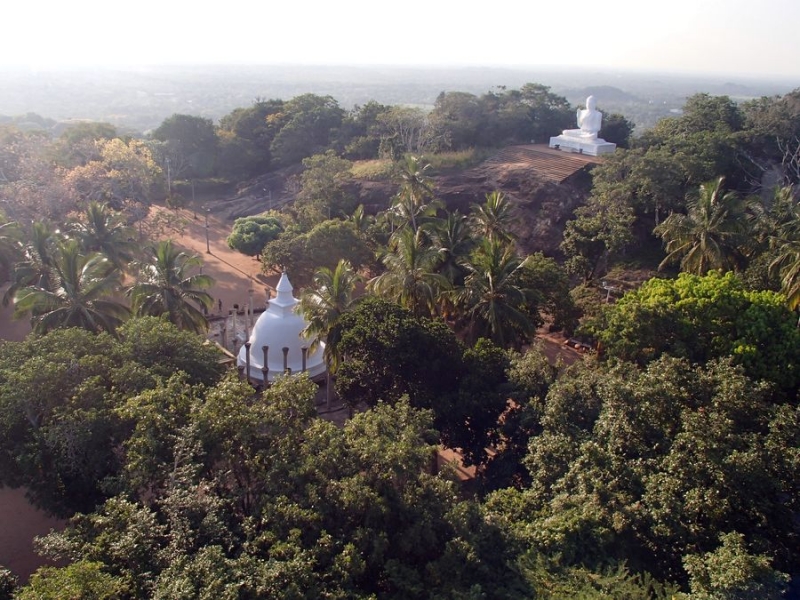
[596, 147]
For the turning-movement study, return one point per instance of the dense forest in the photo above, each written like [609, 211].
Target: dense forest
[665, 464]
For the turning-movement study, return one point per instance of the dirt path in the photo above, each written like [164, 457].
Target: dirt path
[235, 274]
[19, 524]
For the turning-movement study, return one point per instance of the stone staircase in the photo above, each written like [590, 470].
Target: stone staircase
[548, 163]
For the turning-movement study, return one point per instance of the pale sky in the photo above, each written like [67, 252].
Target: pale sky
[725, 37]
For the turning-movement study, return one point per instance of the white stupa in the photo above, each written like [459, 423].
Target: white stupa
[279, 327]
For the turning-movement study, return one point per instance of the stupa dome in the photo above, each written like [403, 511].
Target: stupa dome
[279, 327]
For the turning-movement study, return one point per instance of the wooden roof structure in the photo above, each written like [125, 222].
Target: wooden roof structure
[550, 164]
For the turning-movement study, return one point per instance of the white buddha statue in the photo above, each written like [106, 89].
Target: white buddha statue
[584, 140]
[589, 120]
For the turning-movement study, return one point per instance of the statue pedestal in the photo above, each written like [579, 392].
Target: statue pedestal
[592, 147]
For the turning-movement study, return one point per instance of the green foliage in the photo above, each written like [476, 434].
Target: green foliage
[493, 218]
[82, 579]
[251, 234]
[701, 318]
[100, 230]
[323, 193]
[78, 293]
[309, 510]
[494, 300]
[246, 135]
[10, 246]
[307, 126]
[166, 286]
[649, 466]
[616, 129]
[390, 354]
[410, 278]
[550, 291]
[731, 572]
[553, 581]
[59, 394]
[325, 303]
[163, 349]
[772, 126]
[8, 583]
[324, 246]
[634, 189]
[711, 235]
[191, 145]
[529, 376]
[600, 231]
[780, 224]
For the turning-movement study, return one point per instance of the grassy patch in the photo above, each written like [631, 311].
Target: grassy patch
[379, 169]
[457, 160]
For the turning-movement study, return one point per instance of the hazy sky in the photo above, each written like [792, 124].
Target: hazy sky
[727, 37]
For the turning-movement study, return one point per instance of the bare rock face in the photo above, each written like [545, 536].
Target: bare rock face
[267, 192]
[543, 202]
[542, 206]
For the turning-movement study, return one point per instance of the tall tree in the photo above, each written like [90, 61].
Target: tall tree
[323, 193]
[190, 145]
[166, 286]
[36, 266]
[493, 218]
[453, 240]
[413, 200]
[492, 302]
[701, 318]
[778, 230]
[323, 306]
[81, 293]
[10, 247]
[410, 278]
[710, 235]
[309, 122]
[102, 231]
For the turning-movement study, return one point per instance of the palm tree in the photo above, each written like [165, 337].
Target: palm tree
[410, 278]
[492, 302]
[36, 267]
[782, 227]
[414, 198]
[103, 231]
[787, 265]
[710, 235]
[10, 247]
[453, 240]
[323, 306]
[493, 218]
[165, 287]
[78, 293]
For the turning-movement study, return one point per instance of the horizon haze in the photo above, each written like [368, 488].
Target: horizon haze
[737, 38]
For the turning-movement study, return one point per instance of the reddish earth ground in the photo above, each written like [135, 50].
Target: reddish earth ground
[234, 274]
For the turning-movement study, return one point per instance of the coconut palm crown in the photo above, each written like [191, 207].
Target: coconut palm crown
[166, 287]
[78, 293]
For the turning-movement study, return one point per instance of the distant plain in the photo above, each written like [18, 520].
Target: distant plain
[139, 99]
